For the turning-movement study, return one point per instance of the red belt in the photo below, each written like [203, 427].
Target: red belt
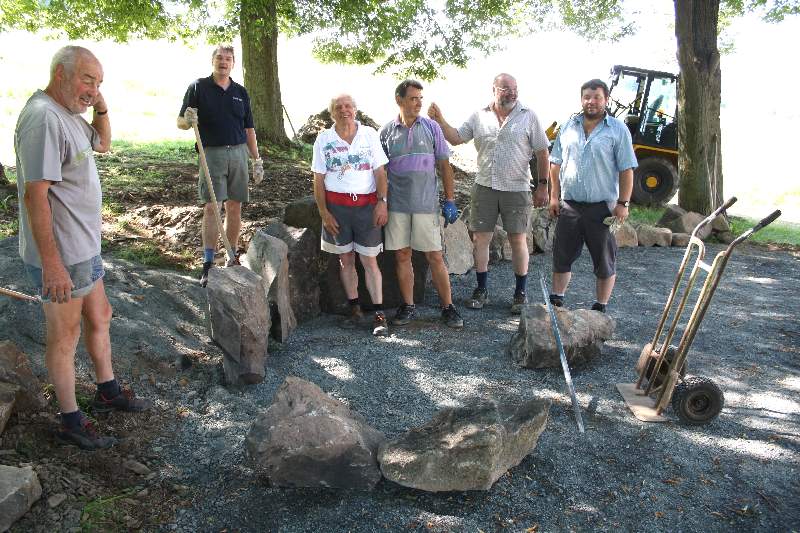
[351, 199]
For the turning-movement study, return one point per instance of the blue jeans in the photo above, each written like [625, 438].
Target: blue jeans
[84, 275]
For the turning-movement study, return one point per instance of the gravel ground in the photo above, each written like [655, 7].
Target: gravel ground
[740, 472]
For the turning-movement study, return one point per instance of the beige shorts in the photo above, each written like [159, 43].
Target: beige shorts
[419, 231]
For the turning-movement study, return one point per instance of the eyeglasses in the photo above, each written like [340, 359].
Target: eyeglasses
[506, 89]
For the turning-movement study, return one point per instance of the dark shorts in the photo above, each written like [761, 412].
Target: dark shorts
[357, 231]
[486, 204]
[229, 174]
[83, 275]
[579, 223]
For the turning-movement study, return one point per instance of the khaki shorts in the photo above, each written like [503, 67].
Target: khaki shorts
[486, 203]
[419, 231]
[229, 174]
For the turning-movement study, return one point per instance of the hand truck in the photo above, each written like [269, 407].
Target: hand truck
[661, 366]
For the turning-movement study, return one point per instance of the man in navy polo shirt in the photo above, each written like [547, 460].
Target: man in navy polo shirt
[221, 109]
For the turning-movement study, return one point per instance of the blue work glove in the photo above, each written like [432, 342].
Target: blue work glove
[449, 212]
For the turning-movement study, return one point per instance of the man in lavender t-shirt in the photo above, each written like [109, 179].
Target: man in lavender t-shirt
[416, 147]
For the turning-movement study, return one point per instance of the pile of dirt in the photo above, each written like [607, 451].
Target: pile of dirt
[321, 121]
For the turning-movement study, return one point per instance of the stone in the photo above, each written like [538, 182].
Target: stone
[19, 490]
[239, 320]
[725, 237]
[687, 222]
[14, 369]
[8, 397]
[671, 212]
[332, 297]
[316, 123]
[56, 499]
[303, 213]
[582, 331]
[652, 236]
[305, 266]
[136, 467]
[680, 240]
[268, 257]
[305, 438]
[542, 230]
[499, 247]
[465, 448]
[720, 224]
[626, 236]
[457, 247]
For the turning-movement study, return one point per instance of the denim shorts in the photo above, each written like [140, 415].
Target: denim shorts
[84, 275]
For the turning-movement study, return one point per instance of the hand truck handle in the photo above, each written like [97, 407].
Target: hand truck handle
[710, 218]
[766, 221]
[724, 207]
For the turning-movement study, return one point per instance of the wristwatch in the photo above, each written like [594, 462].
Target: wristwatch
[381, 198]
[624, 203]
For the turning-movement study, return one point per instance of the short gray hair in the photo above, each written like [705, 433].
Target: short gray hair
[337, 97]
[68, 58]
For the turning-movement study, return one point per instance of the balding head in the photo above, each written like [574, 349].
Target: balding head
[504, 88]
[68, 57]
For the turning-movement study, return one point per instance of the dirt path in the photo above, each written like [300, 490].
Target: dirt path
[740, 472]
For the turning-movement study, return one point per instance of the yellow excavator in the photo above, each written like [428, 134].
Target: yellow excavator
[647, 101]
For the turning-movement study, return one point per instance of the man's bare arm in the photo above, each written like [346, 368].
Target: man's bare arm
[252, 145]
[56, 282]
[448, 178]
[450, 133]
[102, 124]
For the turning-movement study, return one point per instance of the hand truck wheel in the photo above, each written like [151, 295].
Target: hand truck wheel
[697, 401]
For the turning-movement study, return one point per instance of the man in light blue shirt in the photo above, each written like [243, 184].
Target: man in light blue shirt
[591, 169]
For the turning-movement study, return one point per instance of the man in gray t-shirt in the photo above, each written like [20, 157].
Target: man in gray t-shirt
[59, 238]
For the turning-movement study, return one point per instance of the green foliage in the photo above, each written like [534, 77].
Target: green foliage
[294, 150]
[645, 215]
[776, 233]
[147, 253]
[104, 514]
[7, 229]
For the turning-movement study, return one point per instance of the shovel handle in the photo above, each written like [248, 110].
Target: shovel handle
[18, 295]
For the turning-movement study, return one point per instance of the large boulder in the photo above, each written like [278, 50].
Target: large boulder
[14, 369]
[316, 123]
[671, 212]
[686, 223]
[542, 230]
[582, 332]
[239, 316]
[303, 213]
[304, 268]
[19, 490]
[457, 248]
[332, 296]
[680, 240]
[651, 236]
[308, 439]
[8, 396]
[465, 448]
[720, 224]
[626, 236]
[268, 257]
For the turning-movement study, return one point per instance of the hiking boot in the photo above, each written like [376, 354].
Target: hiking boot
[204, 276]
[480, 297]
[126, 400]
[235, 261]
[451, 317]
[556, 300]
[597, 306]
[520, 299]
[84, 436]
[405, 314]
[380, 328]
[355, 318]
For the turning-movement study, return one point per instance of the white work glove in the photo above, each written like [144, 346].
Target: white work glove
[190, 116]
[258, 171]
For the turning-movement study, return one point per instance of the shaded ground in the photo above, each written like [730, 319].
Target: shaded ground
[739, 473]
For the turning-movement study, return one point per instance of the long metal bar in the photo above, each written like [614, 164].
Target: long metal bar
[564, 364]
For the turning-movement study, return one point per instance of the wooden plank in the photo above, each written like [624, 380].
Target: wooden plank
[642, 407]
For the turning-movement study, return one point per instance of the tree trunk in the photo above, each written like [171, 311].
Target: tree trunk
[699, 97]
[258, 25]
[3, 178]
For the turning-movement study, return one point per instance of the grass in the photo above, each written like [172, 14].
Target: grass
[776, 233]
[148, 254]
[104, 514]
[296, 150]
[645, 215]
[136, 165]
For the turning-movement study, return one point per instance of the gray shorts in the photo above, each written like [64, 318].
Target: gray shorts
[486, 203]
[84, 275]
[229, 173]
[579, 223]
[357, 231]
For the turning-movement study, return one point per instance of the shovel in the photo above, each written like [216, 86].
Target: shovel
[19, 295]
[232, 259]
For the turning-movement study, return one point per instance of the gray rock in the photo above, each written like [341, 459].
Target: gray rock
[305, 266]
[308, 439]
[499, 247]
[582, 331]
[239, 317]
[14, 369]
[303, 213]
[725, 237]
[136, 467]
[19, 490]
[652, 236]
[56, 499]
[268, 257]
[681, 240]
[465, 448]
[457, 247]
[542, 230]
[720, 224]
[687, 222]
[626, 236]
[8, 397]
[316, 123]
[671, 212]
